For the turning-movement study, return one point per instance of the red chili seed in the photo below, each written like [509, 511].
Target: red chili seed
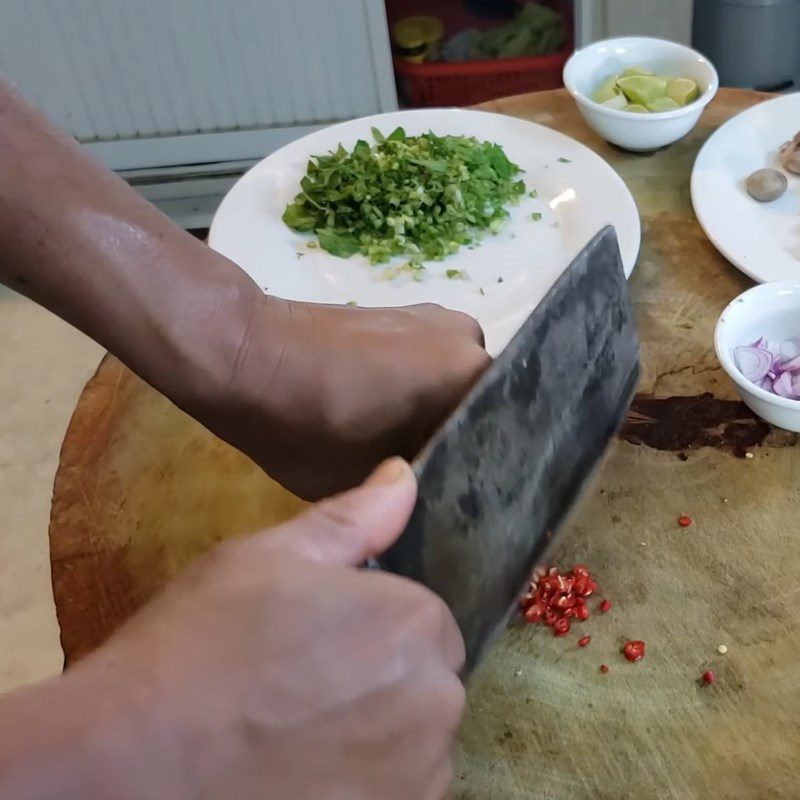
[582, 613]
[534, 614]
[584, 641]
[709, 677]
[580, 570]
[604, 668]
[684, 522]
[634, 650]
[561, 627]
[605, 605]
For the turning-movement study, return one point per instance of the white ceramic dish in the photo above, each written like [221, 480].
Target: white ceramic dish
[578, 193]
[771, 310]
[761, 239]
[589, 67]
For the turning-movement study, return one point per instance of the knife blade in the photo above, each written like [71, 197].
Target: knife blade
[507, 466]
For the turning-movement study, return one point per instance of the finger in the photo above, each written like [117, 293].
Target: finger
[469, 325]
[354, 526]
[453, 321]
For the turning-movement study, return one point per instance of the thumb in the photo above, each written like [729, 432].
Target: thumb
[350, 528]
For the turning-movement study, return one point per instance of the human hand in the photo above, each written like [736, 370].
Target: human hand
[274, 668]
[318, 395]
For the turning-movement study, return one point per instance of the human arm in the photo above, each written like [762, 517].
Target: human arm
[317, 395]
[270, 668]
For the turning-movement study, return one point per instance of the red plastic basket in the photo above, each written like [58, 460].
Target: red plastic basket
[469, 82]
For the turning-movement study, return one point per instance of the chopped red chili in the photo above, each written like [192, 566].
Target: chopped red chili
[684, 521]
[604, 668]
[709, 677]
[561, 627]
[584, 641]
[634, 650]
[605, 605]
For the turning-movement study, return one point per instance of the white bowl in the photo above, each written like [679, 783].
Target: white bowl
[589, 67]
[771, 310]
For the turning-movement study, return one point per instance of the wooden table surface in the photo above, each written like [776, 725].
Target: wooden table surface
[141, 489]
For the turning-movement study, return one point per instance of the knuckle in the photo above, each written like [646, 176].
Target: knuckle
[452, 698]
[430, 611]
[429, 308]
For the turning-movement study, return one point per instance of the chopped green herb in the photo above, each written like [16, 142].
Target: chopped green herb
[301, 255]
[413, 268]
[351, 303]
[480, 289]
[455, 273]
[499, 280]
[565, 160]
[536, 216]
[311, 245]
[424, 196]
[534, 194]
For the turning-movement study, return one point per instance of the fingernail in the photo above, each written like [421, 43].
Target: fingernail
[390, 471]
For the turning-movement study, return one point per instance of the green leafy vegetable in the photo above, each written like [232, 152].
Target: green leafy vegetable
[455, 273]
[536, 216]
[534, 194]
[336, 243]
[419, 196]
[351, 303]
[564, 160]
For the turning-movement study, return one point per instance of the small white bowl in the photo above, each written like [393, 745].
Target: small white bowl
[771, 310]
[589, 67]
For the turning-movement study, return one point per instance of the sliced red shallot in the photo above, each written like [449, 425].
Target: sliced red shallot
[784, 387]
[754, 362]
[773, 366]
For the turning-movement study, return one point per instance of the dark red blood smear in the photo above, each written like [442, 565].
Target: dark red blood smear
[634, 650]
[687, 423]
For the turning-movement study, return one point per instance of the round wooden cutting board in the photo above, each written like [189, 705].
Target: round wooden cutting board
[142, 489]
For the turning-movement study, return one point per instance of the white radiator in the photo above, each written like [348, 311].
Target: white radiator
[156, 87]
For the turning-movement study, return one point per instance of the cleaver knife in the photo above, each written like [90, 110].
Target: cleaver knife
[507, 466]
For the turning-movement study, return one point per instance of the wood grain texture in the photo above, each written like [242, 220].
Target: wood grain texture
[141, 489]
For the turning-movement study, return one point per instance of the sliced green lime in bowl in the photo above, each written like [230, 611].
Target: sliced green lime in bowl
[607, 90]
[682, 90]
[661, 104]
[635, 108]
[630, 72]
[643, 89]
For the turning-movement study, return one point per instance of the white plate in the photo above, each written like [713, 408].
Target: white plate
[576, 198]
[761, 239]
